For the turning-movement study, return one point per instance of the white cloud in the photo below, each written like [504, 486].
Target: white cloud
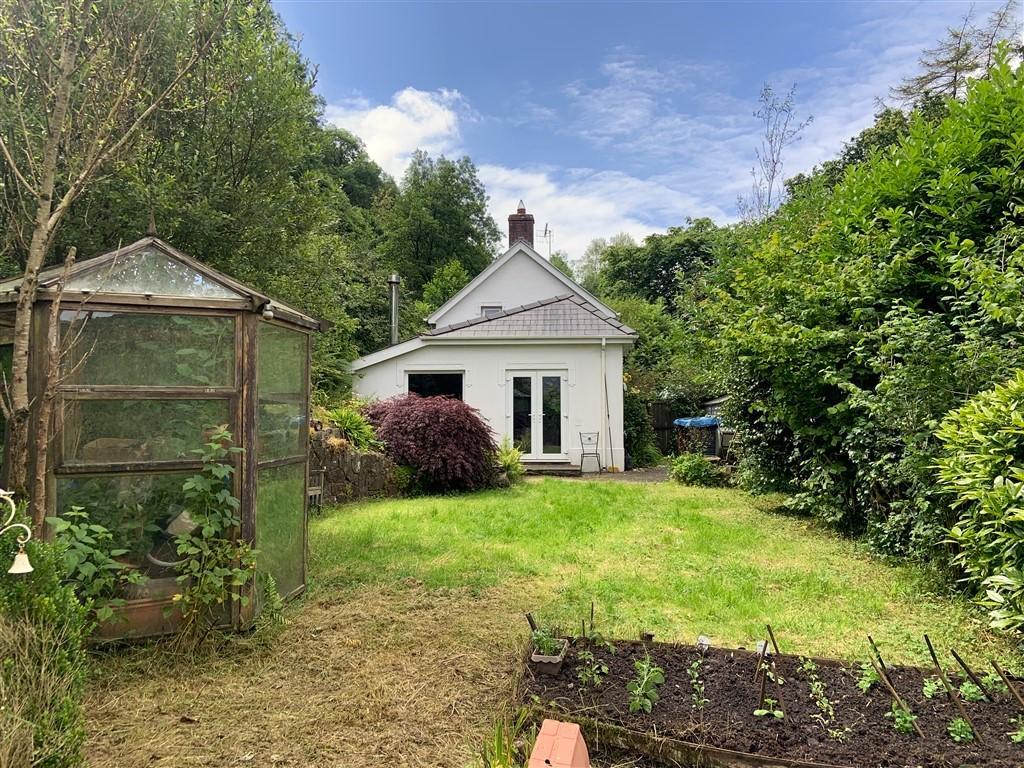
[581, 204]
[414, 119]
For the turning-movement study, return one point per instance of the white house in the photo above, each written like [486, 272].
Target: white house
[532, 350]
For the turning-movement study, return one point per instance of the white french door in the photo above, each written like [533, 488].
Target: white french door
[537, 416]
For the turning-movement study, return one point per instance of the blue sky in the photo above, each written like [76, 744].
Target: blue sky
[608, 117]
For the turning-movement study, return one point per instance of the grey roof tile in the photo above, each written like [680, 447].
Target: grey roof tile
[564, 316]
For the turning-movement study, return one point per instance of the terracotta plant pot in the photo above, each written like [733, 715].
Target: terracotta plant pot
[549, 665]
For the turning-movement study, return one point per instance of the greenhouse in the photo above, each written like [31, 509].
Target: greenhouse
[159, 352]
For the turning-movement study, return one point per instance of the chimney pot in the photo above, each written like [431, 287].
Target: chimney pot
[520, 226]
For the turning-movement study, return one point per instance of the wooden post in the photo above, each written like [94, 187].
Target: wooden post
[953, 696]
[877, 653]
[771, 635]
[533, 624]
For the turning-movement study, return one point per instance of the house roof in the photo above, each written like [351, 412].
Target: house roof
[520, 246]
[152, 270]
[565, 316]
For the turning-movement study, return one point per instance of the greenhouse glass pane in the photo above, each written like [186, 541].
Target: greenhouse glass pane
[139, 349]
[150, 271]
[281, 524]
[141, 511]
[102, 431]
[281, 381]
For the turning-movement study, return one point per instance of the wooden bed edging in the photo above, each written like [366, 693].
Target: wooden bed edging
[672, 752]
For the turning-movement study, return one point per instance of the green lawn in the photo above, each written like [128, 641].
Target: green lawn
[677, 561]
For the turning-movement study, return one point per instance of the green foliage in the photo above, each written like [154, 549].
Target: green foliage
[1017, 736]
[354, 427]
[960, 731]
[590, 670]
[214, 565]
[696, 684]
[769, 707]
[502, 748]
[868, 677]
[43, 629]
[931, 687]
[982, 469]
[971, 692]
[695, 469]
[994, 682]
[638, 432]
[643, 689]
[270, 620]
[867, 312]
[443, 284]
[510, 460]
[545, 642]
[826, 711]
[902, 719]
[561, 263]
[90, 564]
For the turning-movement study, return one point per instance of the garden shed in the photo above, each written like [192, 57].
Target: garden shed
[158, 350]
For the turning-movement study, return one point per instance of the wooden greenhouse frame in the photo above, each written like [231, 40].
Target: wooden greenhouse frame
[133, 321]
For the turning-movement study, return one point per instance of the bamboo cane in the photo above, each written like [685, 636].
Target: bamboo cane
[896, 697]
[969, 671]
[953, 696]
[771, 635]
[1007, 681]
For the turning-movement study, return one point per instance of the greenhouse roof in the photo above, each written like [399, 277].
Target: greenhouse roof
[151, 270]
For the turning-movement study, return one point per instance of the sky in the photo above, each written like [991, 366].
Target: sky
[608, 117]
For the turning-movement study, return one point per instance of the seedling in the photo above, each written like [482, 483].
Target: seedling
[970, 692]
[698, 698]
[960, 731]
[839, 734]
[902, 720]
[768, 670]
[1017, 737]
[769, 708]
[994, 683]
[642, 689]
[868, 678]
[932, 687]
[808, 666]
[826, 712]
[545, 643]
[591, 670]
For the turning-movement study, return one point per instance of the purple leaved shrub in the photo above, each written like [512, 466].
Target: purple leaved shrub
[445, 442]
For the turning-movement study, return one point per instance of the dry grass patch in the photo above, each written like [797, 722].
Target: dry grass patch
[399, 676]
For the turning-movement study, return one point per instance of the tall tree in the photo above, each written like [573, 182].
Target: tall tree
[966, 52]
[438, 214]
[560, 261]
[588, 267]
[78, 81]
[781, 128]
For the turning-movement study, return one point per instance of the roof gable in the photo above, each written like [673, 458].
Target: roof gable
[566, 316]
[519, 250]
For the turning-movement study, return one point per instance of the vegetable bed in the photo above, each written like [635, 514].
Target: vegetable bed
[822, 711]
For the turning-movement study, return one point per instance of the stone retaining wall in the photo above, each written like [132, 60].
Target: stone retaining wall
[351, 474]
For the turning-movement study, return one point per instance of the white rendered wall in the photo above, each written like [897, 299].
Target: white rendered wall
[518, 281]
[485, 368]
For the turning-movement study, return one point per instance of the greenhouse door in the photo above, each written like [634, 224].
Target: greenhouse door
[536, 414]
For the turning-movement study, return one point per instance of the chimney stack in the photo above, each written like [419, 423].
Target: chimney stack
[393, 283]
[520, 226]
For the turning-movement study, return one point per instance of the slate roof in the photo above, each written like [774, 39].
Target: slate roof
[565, 316]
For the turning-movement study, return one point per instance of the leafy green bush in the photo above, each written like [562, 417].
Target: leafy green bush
[43, 628]
[214, 564]
[982, 468]
[638, 433]
[510, 460]
[354, 427]
[695, 469]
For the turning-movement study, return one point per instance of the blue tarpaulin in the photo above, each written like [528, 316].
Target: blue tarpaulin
[697, 421]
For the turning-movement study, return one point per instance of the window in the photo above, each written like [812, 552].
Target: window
[281, 430]
[436, 384]
[490, 310]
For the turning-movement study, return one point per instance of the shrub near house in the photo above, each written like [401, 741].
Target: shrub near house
[444, 441]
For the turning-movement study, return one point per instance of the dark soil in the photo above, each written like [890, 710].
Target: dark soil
[727, 721]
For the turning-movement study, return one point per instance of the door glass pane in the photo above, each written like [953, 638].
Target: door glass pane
[138, 349]
[281, 388]
[102, 431]
[522, 389]
[551, 389]
[281, 523]
[150, 271]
